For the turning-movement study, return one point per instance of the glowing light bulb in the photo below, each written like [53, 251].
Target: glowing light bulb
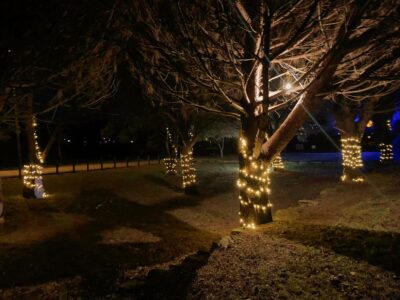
[287, 86]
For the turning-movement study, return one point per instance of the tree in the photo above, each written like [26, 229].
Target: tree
[247, 59]
[76, 66]
[352, 118]
[219, 129]
[171, 147]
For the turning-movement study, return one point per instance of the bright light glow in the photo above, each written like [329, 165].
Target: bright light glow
[287, 86]
[253, 184]
[351, 152]
[277, 163]
[386, 153]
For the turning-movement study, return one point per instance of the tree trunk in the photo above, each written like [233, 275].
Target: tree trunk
[170, 161]
[189, 178]
[1, 203]
[385, 145]
[386, 153]
[33, 180]
[253, 182]
[59, 149]
[51, 142]
[277, 164]
[18, 137]
[351, 146]
[351, 134]
[221, 148]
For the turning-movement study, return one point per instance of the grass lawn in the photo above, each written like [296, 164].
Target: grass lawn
[129, 232]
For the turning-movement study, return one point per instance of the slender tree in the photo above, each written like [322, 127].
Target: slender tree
[171, 147]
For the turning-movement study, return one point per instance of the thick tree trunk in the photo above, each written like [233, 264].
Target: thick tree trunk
[253, 182]
[33, 180]
[1, 203]
[351, 134]
[189, 177]
[351, 158]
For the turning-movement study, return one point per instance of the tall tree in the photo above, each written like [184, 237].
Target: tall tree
[252, 58]
[75, 66]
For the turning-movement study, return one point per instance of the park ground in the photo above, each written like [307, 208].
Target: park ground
[132, 233]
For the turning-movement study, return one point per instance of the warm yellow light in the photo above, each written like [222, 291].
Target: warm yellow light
[351, 153]
[253, 185]
[370, 124]
[386, 152]
[287, 86]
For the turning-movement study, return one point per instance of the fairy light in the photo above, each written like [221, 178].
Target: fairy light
[277, 163]
[253, 184]
[39, 154]
[170, 163]
[33, 179]
[351, 152]
[386, 152]
[189, 177]
[389, 125]
[32, 173]
[188, 170]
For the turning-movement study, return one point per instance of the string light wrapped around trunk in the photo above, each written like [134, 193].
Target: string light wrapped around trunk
[32, 173]
[33, 181]
[171, 161]
[170, 165]
[352, 161]
[188, 170]
[39, 154]
[386, 152]
[253, 184]
[277, 163]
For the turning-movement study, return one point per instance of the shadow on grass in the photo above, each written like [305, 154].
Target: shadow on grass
[173, 283]
[80, 253]
[210, 184]
[375, 247]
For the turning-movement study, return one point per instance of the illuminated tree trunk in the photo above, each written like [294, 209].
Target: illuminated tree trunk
[32, 177]
[253, 182]
[385, 146]
[351, 159]
[277, 164]
[352, 130]
[189, 177]
[172, 155]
